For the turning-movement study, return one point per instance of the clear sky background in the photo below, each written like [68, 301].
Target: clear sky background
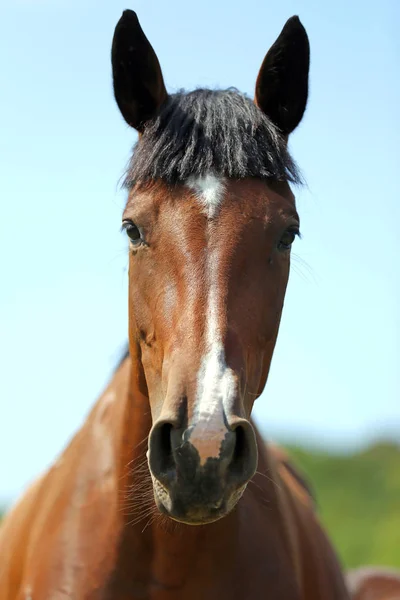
[63, 147]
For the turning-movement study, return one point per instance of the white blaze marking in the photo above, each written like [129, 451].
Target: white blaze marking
[209, 191]
[216, 384]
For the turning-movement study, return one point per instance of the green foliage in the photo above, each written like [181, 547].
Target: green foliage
[358, 497]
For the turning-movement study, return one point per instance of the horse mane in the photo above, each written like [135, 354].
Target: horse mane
[210, 131]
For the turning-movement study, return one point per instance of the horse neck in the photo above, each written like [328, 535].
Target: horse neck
[135, 426]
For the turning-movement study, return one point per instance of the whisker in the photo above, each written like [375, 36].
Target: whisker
[269, 479]
[149, 522]
[298, 263]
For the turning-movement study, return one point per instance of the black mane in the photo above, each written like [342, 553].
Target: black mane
[220, 132]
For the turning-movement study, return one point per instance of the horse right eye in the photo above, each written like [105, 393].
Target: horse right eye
[133, 232]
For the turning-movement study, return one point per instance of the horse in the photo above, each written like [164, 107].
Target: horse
[374, 583]
[168, 492]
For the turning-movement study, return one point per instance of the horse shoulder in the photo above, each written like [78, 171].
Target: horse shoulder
[14, 538]
[319, 571]
[60, 534]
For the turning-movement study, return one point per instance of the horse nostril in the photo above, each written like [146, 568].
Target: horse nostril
[165, 439]
[175, 460]
[244, 460]
[239, 451]
[161, 458]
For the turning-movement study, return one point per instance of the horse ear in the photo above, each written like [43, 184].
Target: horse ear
[138, 82]
[282, 83]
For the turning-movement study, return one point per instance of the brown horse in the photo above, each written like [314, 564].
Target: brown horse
[374, 583]
[167, 492]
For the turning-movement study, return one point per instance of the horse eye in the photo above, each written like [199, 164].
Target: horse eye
[132, 232]
[287, 240]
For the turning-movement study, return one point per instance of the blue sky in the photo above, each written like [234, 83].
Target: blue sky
[63, 146]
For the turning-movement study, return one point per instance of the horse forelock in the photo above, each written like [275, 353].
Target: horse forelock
[217, 132]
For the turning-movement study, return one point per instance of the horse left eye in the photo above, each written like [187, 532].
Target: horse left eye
[287, 240]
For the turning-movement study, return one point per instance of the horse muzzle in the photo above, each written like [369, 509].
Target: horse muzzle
[190, 486]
